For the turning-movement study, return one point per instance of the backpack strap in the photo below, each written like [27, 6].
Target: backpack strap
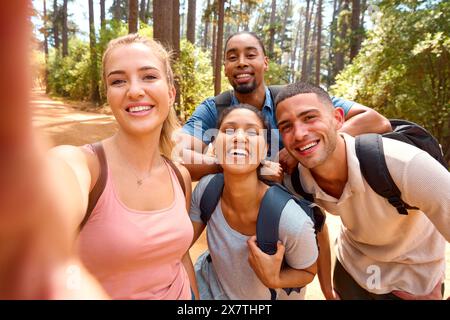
[297, 185]
[177, 173]
[222, 101]
[370, 153]
[274, 91]
[267, 224]
[100, 184]
[211, 197]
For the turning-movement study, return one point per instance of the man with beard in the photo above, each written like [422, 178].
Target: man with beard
[380, 253]
[245, 64]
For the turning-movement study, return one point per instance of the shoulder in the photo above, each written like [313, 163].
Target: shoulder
[184, 174]
[294, 220]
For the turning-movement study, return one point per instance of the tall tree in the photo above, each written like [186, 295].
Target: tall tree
[102, 15]
[342, 31]
[162, 22]
[45, 31]
[148, 11]
[64, 35]
[336, 9]
[95, 93]
[319, 41]
[190, 34]
[214, 43]
[133, 11]
[272, 29]
[219, 45]
[55, 22]
[142, 11]
[284, 26]
[176, 28]
[304, 74]
[295, 45]
[355, 29]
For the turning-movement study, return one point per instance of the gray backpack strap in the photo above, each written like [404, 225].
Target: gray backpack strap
[100, 184]
[370, 153]
[211, 197]
[222, 101]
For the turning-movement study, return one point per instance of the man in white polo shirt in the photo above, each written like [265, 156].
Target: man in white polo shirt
[380, 253]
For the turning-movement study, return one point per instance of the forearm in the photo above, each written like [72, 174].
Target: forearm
[324, 263]
[187, 263]
[292, 278]
[365, 121]
[199, 165]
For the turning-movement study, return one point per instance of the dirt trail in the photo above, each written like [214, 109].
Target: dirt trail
[64, 123]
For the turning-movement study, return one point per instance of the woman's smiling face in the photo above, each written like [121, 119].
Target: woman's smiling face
[240, 144]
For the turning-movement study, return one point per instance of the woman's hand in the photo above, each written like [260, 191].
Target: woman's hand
[267, 267]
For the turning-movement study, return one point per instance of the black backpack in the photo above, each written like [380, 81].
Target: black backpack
[370, 153]
[271, 207]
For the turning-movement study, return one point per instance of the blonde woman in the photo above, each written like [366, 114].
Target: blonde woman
[135, 242]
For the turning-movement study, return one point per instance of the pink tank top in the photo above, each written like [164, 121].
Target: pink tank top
[137, 254]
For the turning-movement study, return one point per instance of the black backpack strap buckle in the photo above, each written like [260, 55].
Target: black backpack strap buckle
[398, 204]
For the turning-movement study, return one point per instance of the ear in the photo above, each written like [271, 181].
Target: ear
[339, 117]
[266, 63]
[172, 95]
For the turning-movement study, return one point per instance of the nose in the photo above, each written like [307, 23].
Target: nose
[240, 136]
[135, 90]
[300, 131]
[242, 61]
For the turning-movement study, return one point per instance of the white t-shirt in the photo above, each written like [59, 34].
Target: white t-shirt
[381, 249]
[230, 276]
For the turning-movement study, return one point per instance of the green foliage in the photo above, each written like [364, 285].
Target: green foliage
[403, 68]
[277, 74]
[194, 74]
[69, 76]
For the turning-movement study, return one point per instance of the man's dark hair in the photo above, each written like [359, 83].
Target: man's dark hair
[300, 88]
[254, 35]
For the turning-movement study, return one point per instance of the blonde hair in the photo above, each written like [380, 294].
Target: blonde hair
[166, 143]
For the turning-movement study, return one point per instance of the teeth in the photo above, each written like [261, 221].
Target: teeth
[139, 108]
[310, 145]
[238, 152]
[245, 75]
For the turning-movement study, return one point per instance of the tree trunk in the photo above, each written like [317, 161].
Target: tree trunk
[190, 35]
[102, 16]
[294, 49]
[304, 74]
[95, 93]
[176, 29]
[162, 22]
[340, 53]
[283, 28]
[56, 24]
[142, 11]
[272, 28]
[47, 89]
[219, 43]
[214, 45]
[64, 37]
[133, 11]
[312, 50]
[319, 41]
[355, 38]
[330, 49]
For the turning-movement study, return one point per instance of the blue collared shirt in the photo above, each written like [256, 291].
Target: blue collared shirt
[203, 122]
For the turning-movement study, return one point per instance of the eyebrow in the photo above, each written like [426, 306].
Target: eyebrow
[248, 124]
[246, 48]
[144, 68]
[301, 114]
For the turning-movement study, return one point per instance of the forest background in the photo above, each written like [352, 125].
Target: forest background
[391, 55]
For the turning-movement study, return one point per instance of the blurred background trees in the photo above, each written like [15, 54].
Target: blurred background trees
[390, 55]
